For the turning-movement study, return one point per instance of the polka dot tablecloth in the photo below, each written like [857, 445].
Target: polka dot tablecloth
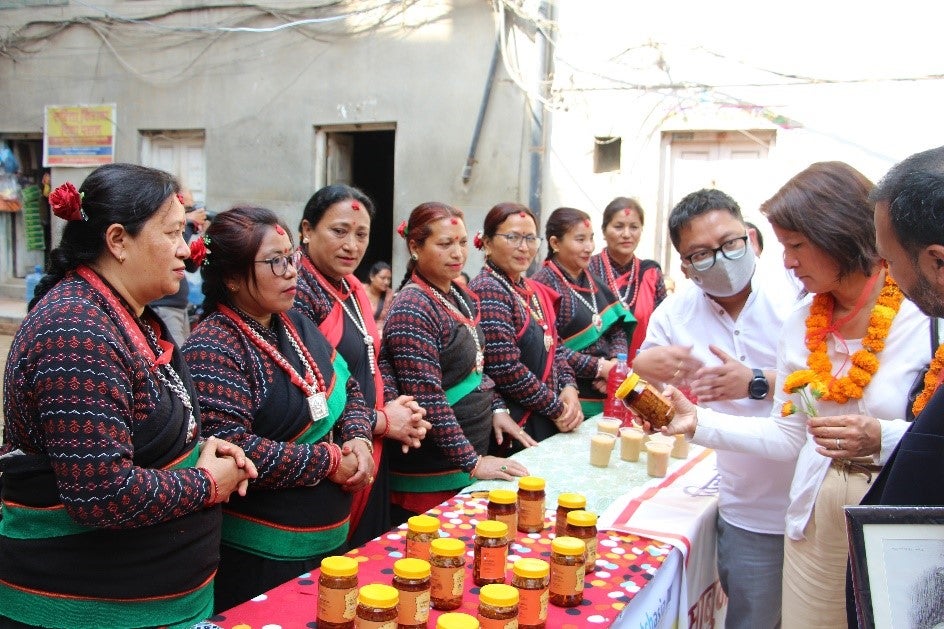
[626, 564]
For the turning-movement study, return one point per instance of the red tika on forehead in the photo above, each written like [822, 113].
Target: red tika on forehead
[180, 198]
[355, 205]
[454, 220]
[522, 214]
[627, 210]
[279, 230]
[586, 222]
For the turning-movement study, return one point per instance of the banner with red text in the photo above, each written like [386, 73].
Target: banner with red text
[79, 135]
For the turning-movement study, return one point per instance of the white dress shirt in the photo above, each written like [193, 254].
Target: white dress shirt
[787, 439]
[753, 490]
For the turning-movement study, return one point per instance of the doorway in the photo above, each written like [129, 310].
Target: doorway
[363, 157]
[732, 161]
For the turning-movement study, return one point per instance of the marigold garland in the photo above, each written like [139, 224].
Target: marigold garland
[932, 379]
[865, 362]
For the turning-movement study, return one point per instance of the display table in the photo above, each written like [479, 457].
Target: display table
[679, 509]
[657, 543]
[627, 564]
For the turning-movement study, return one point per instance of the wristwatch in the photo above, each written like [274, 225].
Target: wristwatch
[758, 387]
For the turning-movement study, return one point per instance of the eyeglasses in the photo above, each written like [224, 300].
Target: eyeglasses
[704, 259]
[279, 264]
[515, 240]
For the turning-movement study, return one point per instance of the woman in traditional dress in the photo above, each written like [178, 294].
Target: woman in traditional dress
[335, 229]
[433, 349]
[269, 381]
[378, 291]
[110, 515]
[592, 323]
[523, 353]
[639, 284]
[842, 363]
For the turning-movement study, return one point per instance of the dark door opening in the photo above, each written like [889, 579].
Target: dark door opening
[370, 168]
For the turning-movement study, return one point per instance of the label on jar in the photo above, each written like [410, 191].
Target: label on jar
[492, 562]
[416, 549]
[532, 606]
[446, 582]
[591, 552]
[376, 624]
[491, 623]
[510, 520]
[531, 513]
[413, 608]
[336, 605]
[567, 580]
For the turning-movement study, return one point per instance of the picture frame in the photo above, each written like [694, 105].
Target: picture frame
[897, 563]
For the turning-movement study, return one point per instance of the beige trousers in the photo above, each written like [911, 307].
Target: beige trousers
[814, 569]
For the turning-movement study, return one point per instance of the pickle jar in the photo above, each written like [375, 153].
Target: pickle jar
[645, 401]
[565, 504]
[420, 532]
[502, 506]
[457, 620]
[411, 579]
[531, 578]
[583, 525]
[530, 504]
[337, 593]
[447, 573]
[567, 571]
[498, 606]
[491, 552]
[377, 607]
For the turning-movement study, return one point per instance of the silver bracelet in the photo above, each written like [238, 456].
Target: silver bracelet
[370, 443]
[500, 410]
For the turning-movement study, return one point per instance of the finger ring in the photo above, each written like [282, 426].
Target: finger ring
[678, 370]
[838, 445]
[504, 468]
[521, 432]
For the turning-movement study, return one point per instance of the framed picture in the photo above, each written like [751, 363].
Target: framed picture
[897, 558]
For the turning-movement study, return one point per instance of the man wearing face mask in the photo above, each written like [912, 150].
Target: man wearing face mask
[718, 342]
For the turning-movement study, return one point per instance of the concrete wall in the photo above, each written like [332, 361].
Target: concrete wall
[260, 96]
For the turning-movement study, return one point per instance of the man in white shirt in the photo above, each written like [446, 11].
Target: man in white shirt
[718, 341]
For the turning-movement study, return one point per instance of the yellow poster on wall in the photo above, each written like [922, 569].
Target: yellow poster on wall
[79, 135]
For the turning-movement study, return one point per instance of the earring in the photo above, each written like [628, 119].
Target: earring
[414, 257]
[234, 289]
[305, 240]
[121, 258]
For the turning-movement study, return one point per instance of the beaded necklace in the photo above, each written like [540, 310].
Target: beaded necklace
[595, 317]
[632, 281]
[468, 321]
[144, 344]
[356, 317]
[312, 385]
[532, 305]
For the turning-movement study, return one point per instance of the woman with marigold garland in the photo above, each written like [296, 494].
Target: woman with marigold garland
[843, 360]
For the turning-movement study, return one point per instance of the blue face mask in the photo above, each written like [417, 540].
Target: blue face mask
[726, 277]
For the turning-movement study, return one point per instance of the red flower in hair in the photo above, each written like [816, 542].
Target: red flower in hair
[402, 229]
[66, 203]
[198, 250]
[477, 240]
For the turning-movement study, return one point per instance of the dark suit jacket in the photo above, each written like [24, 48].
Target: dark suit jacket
[914, 473]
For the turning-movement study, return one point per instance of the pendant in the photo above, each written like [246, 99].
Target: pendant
[597, 322]
[479, 362]
[548, 341]
[368, 340]
[317, 406]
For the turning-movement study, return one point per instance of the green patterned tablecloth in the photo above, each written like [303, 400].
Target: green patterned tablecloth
[564, 462]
